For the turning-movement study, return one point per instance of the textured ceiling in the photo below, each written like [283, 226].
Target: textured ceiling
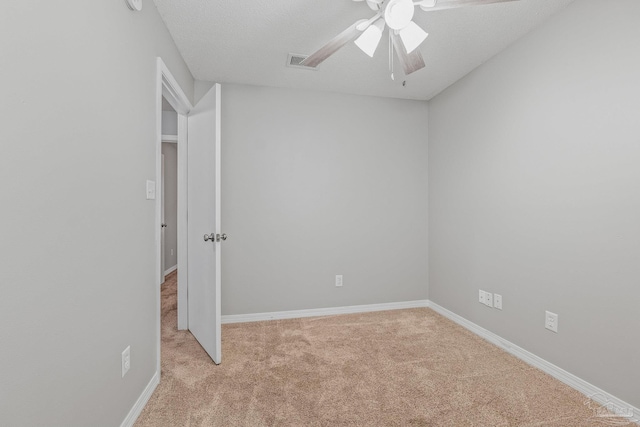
[248, 42]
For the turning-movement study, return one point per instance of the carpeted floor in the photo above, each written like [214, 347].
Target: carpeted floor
[394, 368]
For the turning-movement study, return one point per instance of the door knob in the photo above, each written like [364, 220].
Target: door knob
[215, 237]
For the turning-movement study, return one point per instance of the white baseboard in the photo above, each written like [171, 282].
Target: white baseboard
[171, 270]
[598, 395]
[135, 412]
[329, 311]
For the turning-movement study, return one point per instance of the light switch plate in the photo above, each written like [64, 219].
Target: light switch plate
[126, 360]
[151, 190]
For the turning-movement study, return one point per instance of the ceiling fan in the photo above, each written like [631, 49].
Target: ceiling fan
[404, 35]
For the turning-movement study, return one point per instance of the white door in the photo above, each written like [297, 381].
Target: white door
[204, 223]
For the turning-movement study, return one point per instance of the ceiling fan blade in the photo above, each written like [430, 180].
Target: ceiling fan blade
[410, 62]
[451, 4]
[333, 45]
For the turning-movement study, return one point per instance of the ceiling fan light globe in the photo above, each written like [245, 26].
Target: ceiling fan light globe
[398, 13]
[370, 39]
[412, 36]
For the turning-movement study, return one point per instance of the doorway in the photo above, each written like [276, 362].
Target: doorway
[199, 234]
[171, 98]
[169, 190]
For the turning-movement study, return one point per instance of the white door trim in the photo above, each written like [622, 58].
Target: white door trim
[163, 233]
[167, 86]
[182, 224]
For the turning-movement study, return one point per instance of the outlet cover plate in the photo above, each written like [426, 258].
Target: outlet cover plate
[497, 301]
[488, 297]
[339, 280]
[551, 321]
[126, 360]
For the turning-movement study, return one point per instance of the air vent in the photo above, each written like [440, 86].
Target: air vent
[294, 60]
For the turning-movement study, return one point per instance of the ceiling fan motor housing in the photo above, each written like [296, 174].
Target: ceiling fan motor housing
[398, 13]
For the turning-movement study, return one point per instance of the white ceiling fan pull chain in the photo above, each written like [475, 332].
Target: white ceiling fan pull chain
[390, 47]
[391, 55]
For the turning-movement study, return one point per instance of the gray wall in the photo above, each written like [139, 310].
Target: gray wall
[170, 204]
[534, 193]
[169, 123]
[317, 184]
[79, 269]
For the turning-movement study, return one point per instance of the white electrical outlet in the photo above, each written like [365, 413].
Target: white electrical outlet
[497, 301]
[551, 321]
[488, 298]
[339, 280]
[126, 360]
[481, 296]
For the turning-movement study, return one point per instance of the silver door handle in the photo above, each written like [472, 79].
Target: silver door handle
[215, 237]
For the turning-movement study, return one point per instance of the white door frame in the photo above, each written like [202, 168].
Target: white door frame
[168, 87]
[163, 233]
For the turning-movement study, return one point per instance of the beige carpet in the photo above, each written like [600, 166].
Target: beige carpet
[394, 368]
